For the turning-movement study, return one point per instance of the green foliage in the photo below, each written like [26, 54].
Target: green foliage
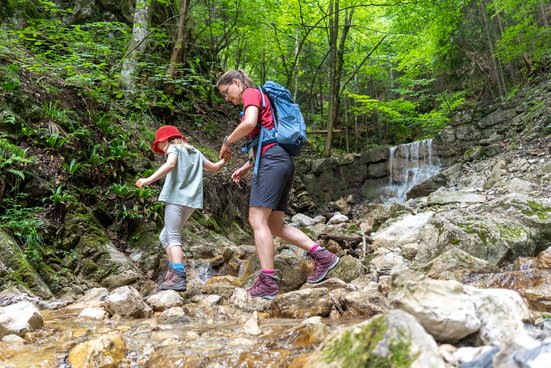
[59, 196]
[13, 159]
[526, 35]
[24, 224]
[9, 80]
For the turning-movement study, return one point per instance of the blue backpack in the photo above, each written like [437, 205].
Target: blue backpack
[290, 129]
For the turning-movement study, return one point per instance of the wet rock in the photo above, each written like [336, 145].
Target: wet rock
[446, 197]
[363, 304]
[164, 300]
[225, 280]
[443, 308]
[499, 170]
[388, 262]
[543, 260]
[475, 357]
[13, 339]
[383, 340]
[522, 352]
[174, 315]
[127, 302]
[13, 262]
[455, 264]
[348, 269]
[309, 332]
[330, 284]
[93, 298]
[20, 318]
[94, 313]
[303, 220]
[126, 277]
[251, 326]
[292, 270]
[401, 231]
[105, 351]
[338, 218]
[302, 304]
[501, 313]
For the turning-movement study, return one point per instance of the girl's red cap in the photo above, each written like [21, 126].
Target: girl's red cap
[164, 133]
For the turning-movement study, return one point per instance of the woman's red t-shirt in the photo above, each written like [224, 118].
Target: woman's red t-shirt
[252, 97]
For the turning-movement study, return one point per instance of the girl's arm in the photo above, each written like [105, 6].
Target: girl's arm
[214, 167]
[161, 172]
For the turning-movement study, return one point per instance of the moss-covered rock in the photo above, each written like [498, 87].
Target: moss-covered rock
[392, 340]
[16, 269]
[98, 260]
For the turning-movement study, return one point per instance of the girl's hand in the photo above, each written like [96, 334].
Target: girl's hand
[142, 182]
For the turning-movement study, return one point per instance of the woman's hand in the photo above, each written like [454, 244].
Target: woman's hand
[240, 173]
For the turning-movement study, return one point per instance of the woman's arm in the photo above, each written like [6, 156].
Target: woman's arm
[161, 172]
[245, 127]
[241, 172]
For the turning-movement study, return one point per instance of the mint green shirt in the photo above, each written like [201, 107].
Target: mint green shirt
[184, 184]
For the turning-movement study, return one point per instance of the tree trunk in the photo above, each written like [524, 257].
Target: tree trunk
[496, 68]
[333, 88]
[137, 45]
[543, 14]
[178, 56]
[336, 62]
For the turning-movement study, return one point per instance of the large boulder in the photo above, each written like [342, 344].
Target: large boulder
[390, 340]
[19, 318]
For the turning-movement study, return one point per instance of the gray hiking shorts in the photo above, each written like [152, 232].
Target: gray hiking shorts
[272, 185]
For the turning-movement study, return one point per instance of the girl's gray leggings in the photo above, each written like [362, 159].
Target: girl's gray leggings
[176, 217]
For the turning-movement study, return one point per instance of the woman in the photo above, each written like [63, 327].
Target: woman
[270, 188]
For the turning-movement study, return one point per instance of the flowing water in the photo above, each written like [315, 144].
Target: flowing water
[151, 343]
[408, 165]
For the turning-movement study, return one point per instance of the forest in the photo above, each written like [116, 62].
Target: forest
[364, 73]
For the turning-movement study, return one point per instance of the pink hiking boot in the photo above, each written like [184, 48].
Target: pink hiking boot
[265, 287]
[324, 261]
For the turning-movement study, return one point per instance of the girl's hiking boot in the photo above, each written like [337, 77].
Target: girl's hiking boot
[324, 261]
[265, 287]
[173, 281]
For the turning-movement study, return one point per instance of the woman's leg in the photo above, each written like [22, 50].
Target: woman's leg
[289, 233]
[258, 219]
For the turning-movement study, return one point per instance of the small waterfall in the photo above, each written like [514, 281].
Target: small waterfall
[408, 165]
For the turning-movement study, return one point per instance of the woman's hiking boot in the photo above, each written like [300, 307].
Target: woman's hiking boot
[173, 281]
[324, 261]
[265, 286]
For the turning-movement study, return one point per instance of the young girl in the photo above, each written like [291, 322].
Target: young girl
[182, 192]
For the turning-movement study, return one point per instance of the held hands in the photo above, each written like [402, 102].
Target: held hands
[227, 156]
[226, 148]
